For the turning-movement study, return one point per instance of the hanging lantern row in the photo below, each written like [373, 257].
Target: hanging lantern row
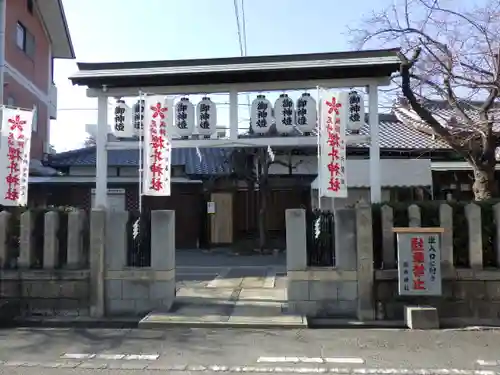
[286, 114]
[129, 121]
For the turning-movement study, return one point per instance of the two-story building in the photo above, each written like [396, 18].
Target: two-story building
[36, 33]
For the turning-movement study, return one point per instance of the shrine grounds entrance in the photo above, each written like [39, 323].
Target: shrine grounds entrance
[119, 289]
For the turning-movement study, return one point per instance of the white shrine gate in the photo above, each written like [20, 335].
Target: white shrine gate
[366, 69]
[369, 69]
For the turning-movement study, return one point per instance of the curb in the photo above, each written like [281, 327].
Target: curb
[76, 323]
[318, 323]
[192, 324]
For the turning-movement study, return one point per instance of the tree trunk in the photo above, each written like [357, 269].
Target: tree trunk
[485, 186]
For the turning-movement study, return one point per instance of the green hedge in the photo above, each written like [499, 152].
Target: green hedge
[430, 218]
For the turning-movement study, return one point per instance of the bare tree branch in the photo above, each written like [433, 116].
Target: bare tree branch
[450, 51]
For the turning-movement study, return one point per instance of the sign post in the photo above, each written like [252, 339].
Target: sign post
[419, 261]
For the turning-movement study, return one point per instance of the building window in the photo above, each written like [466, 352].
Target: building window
[30, 6]
[25, 40]
[20, 35]
[11, 101]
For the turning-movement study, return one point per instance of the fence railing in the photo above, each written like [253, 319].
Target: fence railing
[320, 229]
[44, 239]
[471, 237]
[139, 239]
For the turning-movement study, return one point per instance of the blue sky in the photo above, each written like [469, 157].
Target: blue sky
[129, 30]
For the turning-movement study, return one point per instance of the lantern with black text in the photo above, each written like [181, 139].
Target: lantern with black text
[356, 111]
[206, 113]
[123, 120]
[184, 118]
[284, 111]
[138, 117]
[261, 115]
[306, 113]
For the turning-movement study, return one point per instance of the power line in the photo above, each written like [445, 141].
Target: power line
[238, 27]
[244, 27]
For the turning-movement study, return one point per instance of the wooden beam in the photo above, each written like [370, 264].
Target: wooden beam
[240, 142]
[240, 88]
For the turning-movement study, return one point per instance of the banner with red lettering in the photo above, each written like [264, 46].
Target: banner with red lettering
[15, 147]
[332, 144]
[158, 123]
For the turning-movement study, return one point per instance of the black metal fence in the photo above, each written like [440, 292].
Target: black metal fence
[320, 238]
[139, 239]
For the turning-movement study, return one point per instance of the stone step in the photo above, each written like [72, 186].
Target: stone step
[236, 315]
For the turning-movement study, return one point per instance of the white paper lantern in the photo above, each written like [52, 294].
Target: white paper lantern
[261, 117]
[284, 112]
[306, 113]
[356, 111]
[206, 113]
[138, 117]
[123, 127]
[184, 118]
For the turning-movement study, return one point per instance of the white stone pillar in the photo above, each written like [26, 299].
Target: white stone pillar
[50, 240]
[101, 184]
[375, 170]
[233, 114]
[296, 240]
[163, 257]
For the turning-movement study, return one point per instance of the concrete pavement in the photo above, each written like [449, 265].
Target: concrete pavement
[239, 293]
[260, 351]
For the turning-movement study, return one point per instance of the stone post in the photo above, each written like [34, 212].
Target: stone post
[296, 240]
[27, 250]
[345, 239]
[473, 215]
[388, 249]
[4, 230]
[97, 251]
[50, 240]
[364, 240]
[163, 257]
[75, 239]
[446, 222]
[414, 216]
[116, 240]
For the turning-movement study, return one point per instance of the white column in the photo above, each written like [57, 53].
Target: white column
[101, 182]
[375, 170]
[233, 114]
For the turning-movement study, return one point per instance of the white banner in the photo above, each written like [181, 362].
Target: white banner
[332, 158]
[15, 147]
[158, 123]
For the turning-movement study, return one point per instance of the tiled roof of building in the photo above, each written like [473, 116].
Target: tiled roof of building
[212, 160]
[395, 134]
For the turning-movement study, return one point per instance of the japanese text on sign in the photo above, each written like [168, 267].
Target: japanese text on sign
[16, 137]
[157, 147]
[419, 264]
[332, 148]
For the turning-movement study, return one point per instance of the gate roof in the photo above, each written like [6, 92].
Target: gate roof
[235, 70]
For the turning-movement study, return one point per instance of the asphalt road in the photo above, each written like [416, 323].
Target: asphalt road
[181, 350]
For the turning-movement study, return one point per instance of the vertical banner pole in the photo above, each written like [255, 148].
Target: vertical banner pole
[318, 121]
[141, 161]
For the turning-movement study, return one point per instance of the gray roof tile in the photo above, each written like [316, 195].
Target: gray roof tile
[213, 160]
